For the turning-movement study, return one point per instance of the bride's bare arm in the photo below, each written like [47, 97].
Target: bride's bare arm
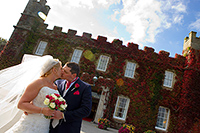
[30, 93]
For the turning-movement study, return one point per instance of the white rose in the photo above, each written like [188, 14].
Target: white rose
[46, 101]
[62, 106]
[54, 96]
[61, 99]
[52, 105]
[65, 105]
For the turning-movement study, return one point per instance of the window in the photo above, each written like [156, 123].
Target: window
[168, 79]
[76, 55]
[163, 118]
[121, 108]
[103, 62]
[41, 47]
[130, 70]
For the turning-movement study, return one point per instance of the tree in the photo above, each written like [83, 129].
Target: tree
[3, 41]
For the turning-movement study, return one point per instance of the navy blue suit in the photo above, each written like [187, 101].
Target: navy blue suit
[79, 103]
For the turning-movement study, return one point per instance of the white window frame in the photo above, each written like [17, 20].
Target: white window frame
[169, 77]
[163, 118]
[103, 62]
[120, 105]
[130, 69]
[76, 55]
[41, 48]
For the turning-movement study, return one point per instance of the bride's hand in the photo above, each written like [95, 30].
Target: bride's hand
[48, 112]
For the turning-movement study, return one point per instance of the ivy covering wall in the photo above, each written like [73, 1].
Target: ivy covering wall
[145, 90]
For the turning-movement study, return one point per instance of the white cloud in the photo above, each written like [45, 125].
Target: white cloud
[142, 19]
[115, 30]
[179, 7]
[174, 10]
[113, 17]
[75, 15]
[78, 3]
[195, 25]
[178, 18]
[198, 14]
[177, 11]
[106, 3]
[10, 14]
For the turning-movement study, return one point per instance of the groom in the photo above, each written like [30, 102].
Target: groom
[78, 98]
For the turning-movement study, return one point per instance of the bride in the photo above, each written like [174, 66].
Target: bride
[25, 86]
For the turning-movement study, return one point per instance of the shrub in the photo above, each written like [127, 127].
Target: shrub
[103, 123]
[149, 131]
[126, 128]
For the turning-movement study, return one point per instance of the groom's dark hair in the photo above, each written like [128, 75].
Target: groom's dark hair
[74, 67]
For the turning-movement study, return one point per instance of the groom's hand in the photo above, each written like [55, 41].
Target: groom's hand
[58, 115]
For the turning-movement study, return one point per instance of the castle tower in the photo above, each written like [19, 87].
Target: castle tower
[31, 20]
[32, 13]
[191, 42]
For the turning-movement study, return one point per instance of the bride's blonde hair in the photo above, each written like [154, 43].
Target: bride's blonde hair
[49, 65]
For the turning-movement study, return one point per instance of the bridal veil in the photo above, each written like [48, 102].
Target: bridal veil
[15, 79]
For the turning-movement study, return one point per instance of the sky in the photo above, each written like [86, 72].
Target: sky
[160, 24]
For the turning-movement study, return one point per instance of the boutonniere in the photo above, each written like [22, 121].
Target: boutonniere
[76, 86]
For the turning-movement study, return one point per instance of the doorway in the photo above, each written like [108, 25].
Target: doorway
[95, 102]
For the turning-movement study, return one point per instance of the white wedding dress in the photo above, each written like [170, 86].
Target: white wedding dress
[34, 123]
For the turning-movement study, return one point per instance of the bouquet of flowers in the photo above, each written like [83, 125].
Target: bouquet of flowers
[127, 129]
[103, 123]
[55, 102]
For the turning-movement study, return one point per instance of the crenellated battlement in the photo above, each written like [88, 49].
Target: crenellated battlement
[132, 46]
[116, 43]
[148, 49]
[57, 30]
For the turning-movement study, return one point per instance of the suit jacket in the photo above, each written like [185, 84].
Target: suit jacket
[79, 104]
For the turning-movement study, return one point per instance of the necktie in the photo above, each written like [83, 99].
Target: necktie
[68, 84]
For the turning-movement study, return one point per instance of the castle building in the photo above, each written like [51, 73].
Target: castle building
[149, 90]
